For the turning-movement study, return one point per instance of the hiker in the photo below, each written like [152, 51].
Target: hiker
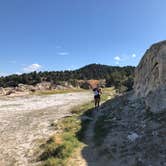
[97, 93]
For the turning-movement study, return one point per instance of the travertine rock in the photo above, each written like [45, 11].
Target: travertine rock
[150, 77]
[44, 86]
[2, 91]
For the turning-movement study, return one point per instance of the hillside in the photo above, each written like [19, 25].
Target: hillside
[98, 71]
[113, 75]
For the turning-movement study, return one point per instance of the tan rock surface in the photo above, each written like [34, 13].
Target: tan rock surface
[150, 77]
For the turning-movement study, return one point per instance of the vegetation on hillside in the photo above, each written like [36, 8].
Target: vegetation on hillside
[114, 76]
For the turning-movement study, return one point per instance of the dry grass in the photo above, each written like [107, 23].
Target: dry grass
[58, 150]
[60, 147]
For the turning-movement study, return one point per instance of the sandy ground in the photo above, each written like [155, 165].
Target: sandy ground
[26, 120]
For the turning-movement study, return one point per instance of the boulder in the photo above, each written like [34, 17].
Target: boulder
[60, 87]
[9, 90]
[44, 86]
[150, 78]
[2, 91]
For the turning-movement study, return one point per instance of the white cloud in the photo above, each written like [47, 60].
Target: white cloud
[117, 58]
[125, 59]
[133, 55]
[32, 67]
[71, 67]
[18, 73]
[63, 53]
[3, 74]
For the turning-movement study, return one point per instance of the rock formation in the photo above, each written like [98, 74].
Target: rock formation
[150, 77]
[2, 91]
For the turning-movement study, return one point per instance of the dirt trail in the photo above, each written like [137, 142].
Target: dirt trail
[88, 155]
[26, 120]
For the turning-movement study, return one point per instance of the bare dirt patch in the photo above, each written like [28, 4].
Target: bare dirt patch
[26, 120]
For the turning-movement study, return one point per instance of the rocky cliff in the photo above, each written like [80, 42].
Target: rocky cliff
[150, 77]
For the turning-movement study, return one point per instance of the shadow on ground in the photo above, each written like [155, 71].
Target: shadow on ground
[93, 131]
[123, 132]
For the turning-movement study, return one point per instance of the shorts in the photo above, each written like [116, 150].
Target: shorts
[97, 97]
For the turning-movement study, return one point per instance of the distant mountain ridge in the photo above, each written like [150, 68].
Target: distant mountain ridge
[91, 71]
[98, 71]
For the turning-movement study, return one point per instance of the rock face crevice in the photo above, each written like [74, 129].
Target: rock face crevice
[150, 77]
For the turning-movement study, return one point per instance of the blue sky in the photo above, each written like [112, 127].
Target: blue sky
[68, 34]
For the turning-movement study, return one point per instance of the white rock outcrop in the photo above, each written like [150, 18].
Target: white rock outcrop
[150, 77]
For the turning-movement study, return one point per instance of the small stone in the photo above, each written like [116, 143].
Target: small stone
[133, 136]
